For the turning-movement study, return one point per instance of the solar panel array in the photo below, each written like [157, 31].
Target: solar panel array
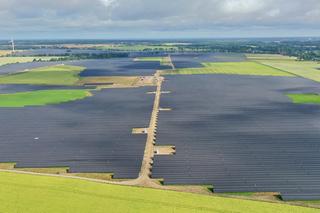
[241, 134]
[118, 67]
[89, 135]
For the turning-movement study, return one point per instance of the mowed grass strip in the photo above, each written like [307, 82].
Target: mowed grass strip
[53, 75]
[232, 68]
[305, 98]
[37, 194]
[41, 97]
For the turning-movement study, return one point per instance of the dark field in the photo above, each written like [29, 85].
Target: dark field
[96, 67]
[241, 134]
[117, 67]
[13, 88]
[90, 135]
[10, 68]
[194, 60]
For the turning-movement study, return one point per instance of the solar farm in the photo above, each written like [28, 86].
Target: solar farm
[223, 124]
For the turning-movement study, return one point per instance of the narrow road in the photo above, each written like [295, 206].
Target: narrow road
[171, 63]
[144, 178]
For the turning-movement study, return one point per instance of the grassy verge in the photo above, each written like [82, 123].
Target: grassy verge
[53, 75]
[13, 60]
[41, 97]
[232, 68]
[50, 194]
[304, 98]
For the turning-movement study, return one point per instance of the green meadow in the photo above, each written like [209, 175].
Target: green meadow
[306, 69]
[38, 194]
[232, 68]
[161, 60]
[41, 97]
[53, 75]
[305, 98]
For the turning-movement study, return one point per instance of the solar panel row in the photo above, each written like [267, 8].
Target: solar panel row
[90, 135]
[241, 134]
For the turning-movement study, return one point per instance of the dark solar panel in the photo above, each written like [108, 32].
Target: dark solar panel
[241, 134]
[90, 135]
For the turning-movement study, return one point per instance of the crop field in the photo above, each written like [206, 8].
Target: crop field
[35, 194]
[309, 70]
[269, 57]
[232, 68]
[41, 97]
[240, 134]
[5, 52]
[305, 69]
[53, 75]
[13, 60]
[88, 135]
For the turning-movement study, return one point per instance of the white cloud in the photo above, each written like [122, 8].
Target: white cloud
[144, 16]
[242, 6]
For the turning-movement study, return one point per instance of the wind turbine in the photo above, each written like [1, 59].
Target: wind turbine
[12, 44]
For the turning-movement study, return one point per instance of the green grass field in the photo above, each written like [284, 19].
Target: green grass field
[41, 97]
[13, 60]
[269, 57]
[305, 98]
[232, 68]
[305, 69]
[38, 194]
[54, 75]
[161, 60]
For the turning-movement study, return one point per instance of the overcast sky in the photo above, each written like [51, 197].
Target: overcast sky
[109, 19]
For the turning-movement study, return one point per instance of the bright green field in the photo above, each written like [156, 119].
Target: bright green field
[305, 98]
[54, 75]
[233, 68]
[41, 97]
[13, 60]
[161, 60]
[38, 194]
[269, 57]
[305, 69]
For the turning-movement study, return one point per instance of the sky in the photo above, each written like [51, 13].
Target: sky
[135, 19]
